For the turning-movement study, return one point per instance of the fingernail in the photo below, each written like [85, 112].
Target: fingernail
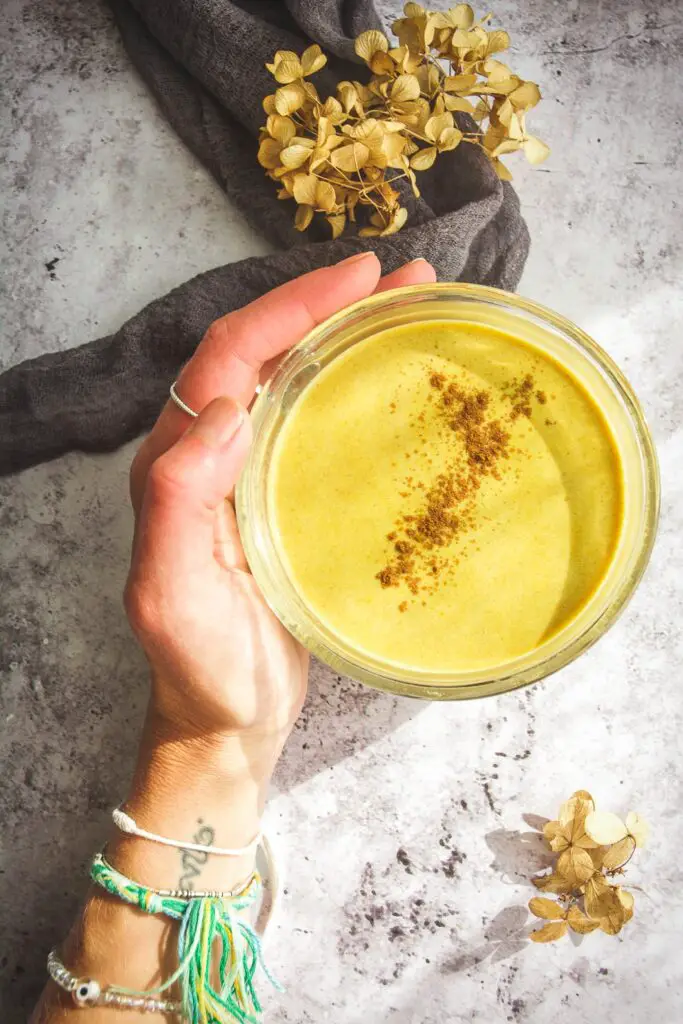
[420, 259]
[218, 423]
[355, 259]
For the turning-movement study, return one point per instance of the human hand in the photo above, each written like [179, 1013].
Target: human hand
[224, 670]
[228, 680]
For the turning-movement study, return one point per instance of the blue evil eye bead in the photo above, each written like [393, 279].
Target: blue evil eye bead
[87, 993]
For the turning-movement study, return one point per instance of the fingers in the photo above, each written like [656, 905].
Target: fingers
[417, 272]
[186, 487]
[228, 359]
[249, 343]
[236, 346]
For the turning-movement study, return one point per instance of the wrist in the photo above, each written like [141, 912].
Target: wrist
[185, 788]
[232, 755]
[192, 788]
[215, 758]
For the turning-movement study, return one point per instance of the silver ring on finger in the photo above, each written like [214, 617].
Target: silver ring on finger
[185, 407]
[179, 402]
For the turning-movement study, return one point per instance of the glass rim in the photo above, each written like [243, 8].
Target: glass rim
[319, 639]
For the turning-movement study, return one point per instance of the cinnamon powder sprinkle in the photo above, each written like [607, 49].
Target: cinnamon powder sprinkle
[521, 394]
[448, 503]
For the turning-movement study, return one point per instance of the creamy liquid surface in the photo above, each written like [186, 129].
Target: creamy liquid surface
[542, 530]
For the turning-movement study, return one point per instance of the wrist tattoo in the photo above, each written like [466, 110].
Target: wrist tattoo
[193, 861]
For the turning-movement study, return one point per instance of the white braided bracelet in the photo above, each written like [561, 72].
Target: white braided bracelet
[126, 824]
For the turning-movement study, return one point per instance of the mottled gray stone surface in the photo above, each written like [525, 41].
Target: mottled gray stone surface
[401, 826]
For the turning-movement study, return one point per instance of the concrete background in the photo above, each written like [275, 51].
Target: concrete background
[103, 209]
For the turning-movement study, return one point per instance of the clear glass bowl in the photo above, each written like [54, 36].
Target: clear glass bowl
[538, 327]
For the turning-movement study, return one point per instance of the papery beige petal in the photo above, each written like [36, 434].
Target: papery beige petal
[459, 83]
[381, 64]
[312, 60]
[553, 883]
[369, 43]
[575, 865]
[304, 216]
[614, 921]
[325, 197]
[393, 147]
[638, 828]
[517, 130]
[449, 139]
[332, 109]
[600, 898]
[348, 96]
[627, 901]
[579, 923]
[549, 932]
[288, 71]
[337, 222]
[505, 112]
[281, 55]
[550, 910]
[461, 16]
[281, 128]
[319, 156]
[295, 156]
[269, 153]
[405, 87]
[525, 96]
[497, 41]
[289, 98]
[310, 91]
[305, 186]
[436, 125]
[618, 854]
[350, 158]
[424, 158]
[398, 219]
[602, 826]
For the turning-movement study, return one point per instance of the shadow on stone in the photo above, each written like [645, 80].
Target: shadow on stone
[518, 855]
[535, 821]
[339, 718]
[505, 936]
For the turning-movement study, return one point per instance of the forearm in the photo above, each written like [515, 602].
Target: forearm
[195, 790]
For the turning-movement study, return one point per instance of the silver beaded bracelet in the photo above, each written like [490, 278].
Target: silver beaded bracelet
[87, 992]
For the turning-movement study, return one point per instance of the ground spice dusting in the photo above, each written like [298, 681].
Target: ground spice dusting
[448, 504]
[521, 391]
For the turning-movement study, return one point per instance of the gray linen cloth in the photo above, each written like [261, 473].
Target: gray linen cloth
[204, 62]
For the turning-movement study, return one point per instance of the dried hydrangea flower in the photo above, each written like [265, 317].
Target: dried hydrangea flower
[343, 154]
[592, 847]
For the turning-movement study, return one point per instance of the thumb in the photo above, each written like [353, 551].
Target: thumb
[188, 485]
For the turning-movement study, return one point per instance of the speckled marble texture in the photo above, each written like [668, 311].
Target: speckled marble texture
[403, 828]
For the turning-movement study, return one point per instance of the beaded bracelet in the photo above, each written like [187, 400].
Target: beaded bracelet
[87, 992]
